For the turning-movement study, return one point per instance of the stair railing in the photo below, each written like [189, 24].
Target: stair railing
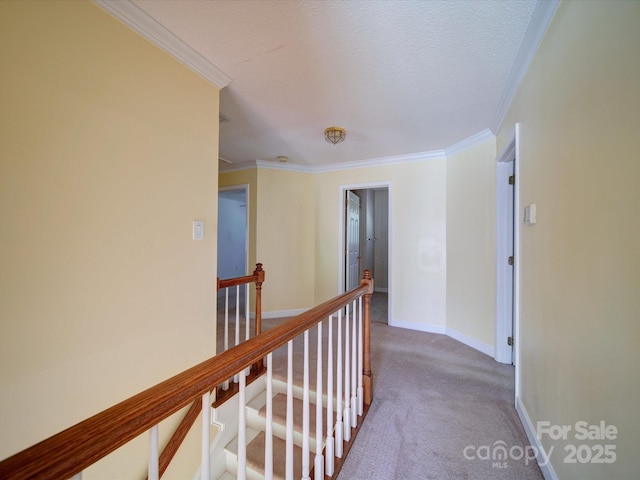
[69, 452]
[232, 288]
[226, 286]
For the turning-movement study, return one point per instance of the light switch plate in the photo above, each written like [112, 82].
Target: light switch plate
[530, 214]
[198, 230]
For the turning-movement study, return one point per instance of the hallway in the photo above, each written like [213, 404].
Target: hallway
[435, 403]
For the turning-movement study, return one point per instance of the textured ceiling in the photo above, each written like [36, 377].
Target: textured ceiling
[402, 77]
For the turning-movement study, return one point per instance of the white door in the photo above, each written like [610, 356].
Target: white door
[352, 241]
[232, 232]
[510, 284]
[506, 260]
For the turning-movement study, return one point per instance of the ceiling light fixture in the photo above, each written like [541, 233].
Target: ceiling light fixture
[282, 159]
[334, 134]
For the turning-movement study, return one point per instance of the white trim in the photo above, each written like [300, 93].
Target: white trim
[245, 188]
[546, 468]
[141, 22]
[341, 218]
[336, 167]
[444, 330]
[420, 327]
[469, 142]
[289, 167]
[508, 152]
[504, 300]
[540, 20]
[381, 162]
[461, 146]
[388, 184]
[516, 269]
[470, 342]
[380, 289]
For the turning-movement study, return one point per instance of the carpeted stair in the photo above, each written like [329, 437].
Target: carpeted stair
[255, 434]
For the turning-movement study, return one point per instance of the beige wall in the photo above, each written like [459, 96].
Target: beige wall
[579, 112]
[417, 255]
[281, 235]
[240, 178]
[286, 232]
[471, 243]
[108, 152]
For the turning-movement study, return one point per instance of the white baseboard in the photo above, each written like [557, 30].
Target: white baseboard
[283, 313]
[421, 327]
[470, 342]
[547, 469]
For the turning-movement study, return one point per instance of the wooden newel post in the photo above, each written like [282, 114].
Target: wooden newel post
[366, 338]
[259, 273]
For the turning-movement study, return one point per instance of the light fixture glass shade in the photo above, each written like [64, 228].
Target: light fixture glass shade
[334, 134]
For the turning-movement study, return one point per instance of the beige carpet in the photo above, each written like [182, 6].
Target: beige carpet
[434, 397]
[434, 400]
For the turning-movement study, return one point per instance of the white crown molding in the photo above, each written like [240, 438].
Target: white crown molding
[289, 167]
[540, 21]
[335, 167]
[469, 142]
[381, 162]
[465, 144]
[138, 20]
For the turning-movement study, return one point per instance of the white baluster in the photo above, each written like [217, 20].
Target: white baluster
[268, 432]
[225, 385]
[289, 421]
[305, 409]
[339, 430]
[237, 333]
[347, 379]
[360, 360]
[354, 366]
[226, 319]
[237, 314]
[154, 454]
[319, 460]
[242, 438]
[205, 459]
[329, 441]
[246, 312]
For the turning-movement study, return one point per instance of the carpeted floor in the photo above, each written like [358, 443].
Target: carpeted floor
[439, 410]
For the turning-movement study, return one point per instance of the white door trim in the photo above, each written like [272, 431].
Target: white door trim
[504, 249]
[509, 152]
[341, 225]
[245, 187]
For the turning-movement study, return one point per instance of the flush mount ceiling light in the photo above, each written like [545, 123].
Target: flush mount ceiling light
[334, 134]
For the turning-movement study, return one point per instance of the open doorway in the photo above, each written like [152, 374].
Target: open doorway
[508, 256]
[366, 243]
[232, 231]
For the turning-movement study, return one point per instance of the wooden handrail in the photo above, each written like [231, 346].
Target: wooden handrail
[71, 451]
[171, 448]
[258, 279]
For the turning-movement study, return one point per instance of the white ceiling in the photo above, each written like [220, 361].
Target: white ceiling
[401, 76]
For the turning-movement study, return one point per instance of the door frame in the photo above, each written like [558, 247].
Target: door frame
[341, 235]
[503, 353]
[245, 187]
[349, 280]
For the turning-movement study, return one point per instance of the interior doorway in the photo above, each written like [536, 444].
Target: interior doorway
[232, 231]
[508, 339]
[366, 243]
